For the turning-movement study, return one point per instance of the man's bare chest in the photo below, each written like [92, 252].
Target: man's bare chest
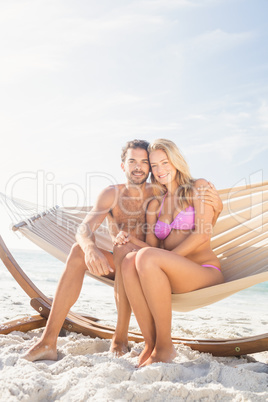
[127, 210]
[128, 215]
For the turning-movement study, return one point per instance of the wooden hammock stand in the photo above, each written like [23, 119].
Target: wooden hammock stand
[89, 325]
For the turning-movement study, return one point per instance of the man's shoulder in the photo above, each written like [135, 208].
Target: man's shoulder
[108, 197]
[112, 190]
[111, 194]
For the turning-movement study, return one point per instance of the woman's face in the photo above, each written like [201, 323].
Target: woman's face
[162, 169]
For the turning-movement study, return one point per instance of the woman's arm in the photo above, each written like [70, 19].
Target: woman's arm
[204, 214]
[151, 219]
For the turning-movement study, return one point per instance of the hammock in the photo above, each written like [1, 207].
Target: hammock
[240, 240]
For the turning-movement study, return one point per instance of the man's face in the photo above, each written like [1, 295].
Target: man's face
[136, 166]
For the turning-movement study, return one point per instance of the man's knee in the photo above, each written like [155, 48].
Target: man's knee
[119, 252]
[76, 253]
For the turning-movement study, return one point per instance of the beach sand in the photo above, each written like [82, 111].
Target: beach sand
[87, 371]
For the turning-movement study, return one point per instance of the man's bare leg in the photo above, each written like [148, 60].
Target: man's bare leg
[119, 344]
[67, 293]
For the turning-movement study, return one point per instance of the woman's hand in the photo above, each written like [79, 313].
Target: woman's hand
[122, 238]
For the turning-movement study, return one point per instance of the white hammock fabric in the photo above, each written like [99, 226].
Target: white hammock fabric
[240, 240]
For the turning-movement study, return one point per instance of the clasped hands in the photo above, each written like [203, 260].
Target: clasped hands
[122, 238]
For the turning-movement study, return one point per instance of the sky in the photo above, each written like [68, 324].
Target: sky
[80, 78]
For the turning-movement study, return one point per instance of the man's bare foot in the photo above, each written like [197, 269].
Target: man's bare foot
[40, 351]
[145, 354]
[161, 355]
[119, 347]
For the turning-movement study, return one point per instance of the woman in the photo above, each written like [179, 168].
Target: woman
[177, 256]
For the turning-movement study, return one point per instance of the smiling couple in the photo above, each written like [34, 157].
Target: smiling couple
[161, 233]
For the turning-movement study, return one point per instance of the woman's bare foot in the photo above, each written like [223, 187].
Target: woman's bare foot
[40, 351]
[145, 354]
[119, 347]
[165, 355]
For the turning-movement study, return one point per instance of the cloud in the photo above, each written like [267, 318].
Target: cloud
[240, 132]
[231, 150]
[174, 4]
[263, 115]
[42, 38]
[165, 4]
[220, 40]
[226, 147]
[254, 150]
[50, 25]
[216, 41]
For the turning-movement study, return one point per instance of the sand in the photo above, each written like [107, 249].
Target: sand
[86, 370]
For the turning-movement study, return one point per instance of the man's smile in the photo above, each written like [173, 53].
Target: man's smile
[138, 174]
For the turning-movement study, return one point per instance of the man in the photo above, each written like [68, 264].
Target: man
[124, 206]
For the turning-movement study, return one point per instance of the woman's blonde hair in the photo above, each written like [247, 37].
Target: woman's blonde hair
[183, 177]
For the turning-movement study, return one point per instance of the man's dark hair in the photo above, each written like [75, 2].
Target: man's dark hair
[133, 145]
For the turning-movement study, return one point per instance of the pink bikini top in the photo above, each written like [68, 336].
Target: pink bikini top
[183, 221]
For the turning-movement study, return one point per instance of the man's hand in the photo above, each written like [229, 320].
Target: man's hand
[209, 195]
[122, 238]
[96, 262]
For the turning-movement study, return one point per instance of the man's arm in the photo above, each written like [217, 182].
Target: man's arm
[209, 195]
[94, 258]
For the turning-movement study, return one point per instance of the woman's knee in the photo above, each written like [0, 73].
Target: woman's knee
[145, 255]
[128, 264]
[145, 260]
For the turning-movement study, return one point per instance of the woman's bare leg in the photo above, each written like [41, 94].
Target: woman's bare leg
[139, 305]
[67, 293]
[162, 273]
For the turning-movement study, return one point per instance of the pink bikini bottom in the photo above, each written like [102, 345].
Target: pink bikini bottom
[212, 266]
